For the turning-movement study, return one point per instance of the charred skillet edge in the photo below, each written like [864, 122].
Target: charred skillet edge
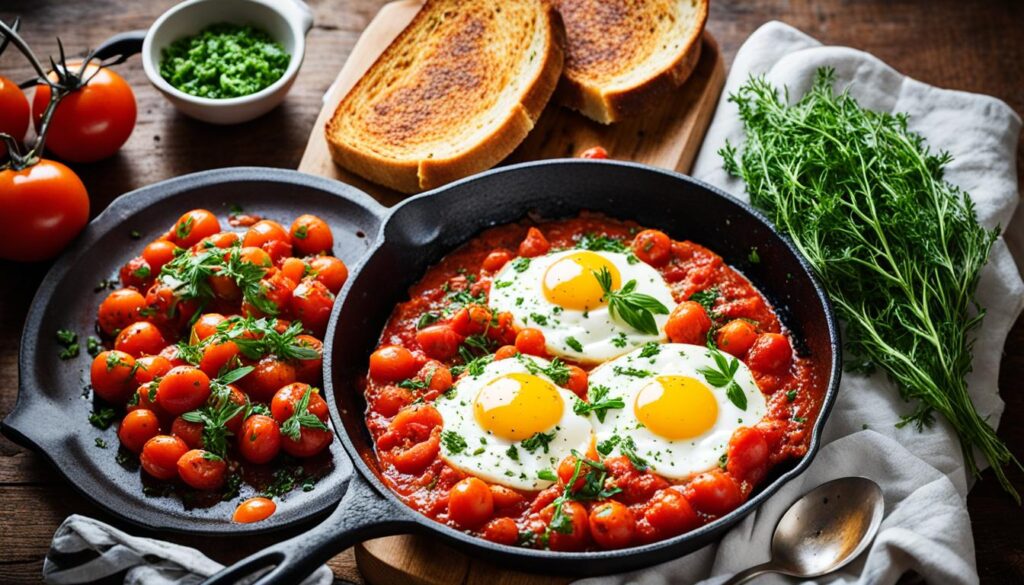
[49, 439]
[602, 562]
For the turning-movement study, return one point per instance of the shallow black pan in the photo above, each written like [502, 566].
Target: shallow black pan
[423, 229]
[51, 415]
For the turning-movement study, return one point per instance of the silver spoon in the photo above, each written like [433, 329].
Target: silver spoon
[823, 530]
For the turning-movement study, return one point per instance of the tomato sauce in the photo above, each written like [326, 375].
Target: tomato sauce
[405, 379]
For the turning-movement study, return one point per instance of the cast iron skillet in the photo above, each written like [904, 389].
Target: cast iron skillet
[51, 415]
[423, 229]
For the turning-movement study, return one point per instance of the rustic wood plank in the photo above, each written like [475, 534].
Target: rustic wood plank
[942, 42]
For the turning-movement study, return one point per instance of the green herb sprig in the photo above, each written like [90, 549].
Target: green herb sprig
[635, 309]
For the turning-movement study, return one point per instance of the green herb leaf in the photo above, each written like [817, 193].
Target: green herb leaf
[538, 441]
[599, 402]
[453, 441]
[635, 309]
[574, 343]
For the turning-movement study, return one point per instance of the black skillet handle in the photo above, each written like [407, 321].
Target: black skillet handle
[361, 515]
[121, 45]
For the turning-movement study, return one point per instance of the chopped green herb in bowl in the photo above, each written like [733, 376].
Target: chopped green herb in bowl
[224, 61]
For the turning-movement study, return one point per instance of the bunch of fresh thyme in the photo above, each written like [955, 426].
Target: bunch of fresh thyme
[898, 248]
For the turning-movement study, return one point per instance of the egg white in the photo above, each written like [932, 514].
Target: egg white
[486, 455]
[675, 459]
[519, 290]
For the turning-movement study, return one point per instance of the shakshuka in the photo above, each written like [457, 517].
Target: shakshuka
[584, 384]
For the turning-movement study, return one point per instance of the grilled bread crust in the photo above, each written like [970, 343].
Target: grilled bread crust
[623, 55]
[453, 95]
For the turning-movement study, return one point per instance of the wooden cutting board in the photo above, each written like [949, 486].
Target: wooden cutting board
[668, 136]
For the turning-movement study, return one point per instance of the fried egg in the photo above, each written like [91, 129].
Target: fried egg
[511, 424]
[560, 294]
[682, 404]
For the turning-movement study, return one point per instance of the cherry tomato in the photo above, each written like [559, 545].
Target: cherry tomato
[265, 231]
[311, 303]
[138, 427]
[282, 407]
[260, 439]
[309, 371]
[112, 376]
[437, 376]
[577, 538]
[331, 271]
[577, 381]
[158, 253]
[278, 289]
[42, 208]
[472, 320]
[594, 152]
[145, 399]
[192, 227]
[496, 260]
[391, 399]
[269, 375]
[470, 503]
[188, 431]
[736, 337]
[612, 525]
[535, 244]
[254, 510]
[165, 309]
[92, 122]
[670, 513]
[139, 339]
[14, 112]
[206, 325]
[160, 456]
[688, 323]
[531, 342]
[120, 309]
[202, 470]
[295, 269]
[217, 240]
[393, 363]
[440, 341]
[748, 455]
[311, 235]
[653, 247]
[182, 389]
[714, 492]
[413, 439]
[151, 367]
[505, 352]
[136, 273]
[501, 531]
[771, 354]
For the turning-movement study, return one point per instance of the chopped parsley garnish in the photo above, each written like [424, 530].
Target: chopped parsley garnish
[722, 377]
[102, 418]
[453, 441]
[520, 264]
[539, 319]
[723, 461]
[512, 453]
[651, 349]
[620, 340]
[635, 309]
[628, 448]
[574, 343]
[257, 338]
[754, 257]
[599, 403]
[791, 395]
[427, 319]
[69, 341]
[101, 443]
[547, 475]
[503, 284]
[190, 274]
[608, 445]
[706, 298]
[538, 441]
[632, 372]
[557, 370]
[142, 272]
[93, 346]
[597, 243]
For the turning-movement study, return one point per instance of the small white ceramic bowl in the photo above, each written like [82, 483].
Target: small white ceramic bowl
[286, 21]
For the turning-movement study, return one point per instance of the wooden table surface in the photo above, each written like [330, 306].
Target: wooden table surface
[943, 42]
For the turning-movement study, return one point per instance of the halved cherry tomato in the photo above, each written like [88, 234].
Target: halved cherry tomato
[160, 456]
[311, 235]
[254, 510]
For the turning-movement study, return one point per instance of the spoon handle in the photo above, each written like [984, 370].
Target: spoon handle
[747, 575]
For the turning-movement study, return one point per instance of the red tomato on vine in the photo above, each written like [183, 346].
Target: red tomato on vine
[14, 113]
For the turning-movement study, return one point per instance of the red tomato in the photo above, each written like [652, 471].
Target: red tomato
[413, 439]
[282, 407]
[393, 363]
[391, 399]
[159, 253]
[714, 492]
[670, 513]
[265, 231]
[14, 112]
[294, 268]
[471, 320]
[151, 367]
[254, 510]
[331, 271]
[496, 260]
[42, 208]
[577, 381]
[182, 389]
[202, 470]
[206, 325]
[218, 357]
[748, 455]
[160, 456]
[311, 235]
[612, 525]
[440, 342]
[736, 337]
[190, 432]
[531, 342]
[501, 531]
[112, 376]
[311, 303]
[260, 439]
[138, 427]
[277, 288]
[770, 354]
[688, 323]
[535, 244]
[269, 375]
[505, 352]
[92, 122]
[120, 309]
[594, 152]
[136, 273]
[470, 503]
[139, 339]
[653, 247]
[192, 227]
[145, 399]
[576, 539]
[309, 371]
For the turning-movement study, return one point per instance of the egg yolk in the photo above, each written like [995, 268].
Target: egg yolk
[517, 406]
[676, 407]
[570, 282]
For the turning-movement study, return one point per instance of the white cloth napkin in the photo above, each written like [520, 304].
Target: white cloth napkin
[85, 550]
[926, 527]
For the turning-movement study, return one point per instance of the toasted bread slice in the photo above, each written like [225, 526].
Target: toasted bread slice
[453, 95]
[622, 55]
